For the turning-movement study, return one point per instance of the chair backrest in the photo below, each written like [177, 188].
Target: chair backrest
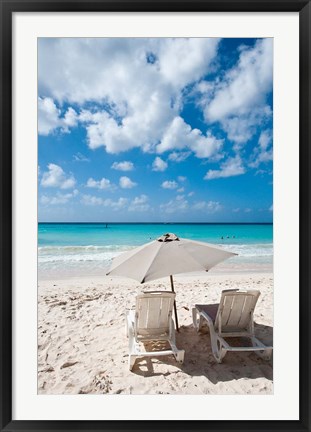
[235, 312]
[153, 314]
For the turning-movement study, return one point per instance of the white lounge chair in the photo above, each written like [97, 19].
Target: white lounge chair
[232, 317]
[152, 321]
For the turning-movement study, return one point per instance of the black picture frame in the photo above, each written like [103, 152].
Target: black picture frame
[7, 9]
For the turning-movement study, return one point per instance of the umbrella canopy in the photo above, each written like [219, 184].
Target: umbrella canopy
[166, 256]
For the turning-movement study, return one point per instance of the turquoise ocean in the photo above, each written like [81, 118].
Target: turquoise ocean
[87, 249]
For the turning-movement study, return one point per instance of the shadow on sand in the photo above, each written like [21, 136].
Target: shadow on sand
[199, 360]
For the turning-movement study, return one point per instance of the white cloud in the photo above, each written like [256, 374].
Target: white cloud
[123, 166]
[169, 184]
[126, 183]
[182, 178]
[176, 205]
[180, 190]
[236, 210]
[139, 203]
[92, 200]
[134, 101]
[263, 153]
[49, 117]
[238, 101]
[100, 184]
[206, 90]
[112, 68]
[206, 147]
[79, 157]
[248, 210]
[260, 172]
[125, 102]
[193, 57]
[245, 85]
[264, 140]
[271, 208]
[159, 164]
[70, 119]
[180, 135]
[241, 129]
[208, 206]
[56, 177]
[179, 156]
[59, 198]
[231, 167]
[116, 205]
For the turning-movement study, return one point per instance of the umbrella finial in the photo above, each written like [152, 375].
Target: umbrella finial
[168, 237]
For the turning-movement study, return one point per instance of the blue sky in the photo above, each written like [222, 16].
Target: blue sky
[155, 130]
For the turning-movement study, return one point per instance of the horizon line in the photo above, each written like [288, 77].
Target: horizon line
[164, 223]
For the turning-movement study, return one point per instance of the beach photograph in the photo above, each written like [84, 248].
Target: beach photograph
[155, 216]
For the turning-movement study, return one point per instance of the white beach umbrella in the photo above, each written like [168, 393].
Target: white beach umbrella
[166, 256]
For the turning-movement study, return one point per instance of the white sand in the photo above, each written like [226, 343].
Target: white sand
[82, 346]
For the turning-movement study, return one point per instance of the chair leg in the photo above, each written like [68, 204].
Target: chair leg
[132, 350]
[196, 319]
[129, 322]
[217, 347]
[131, 361]
[216, 342]
[179, 355]
[126, 327]
[266, 352]
[132, 344]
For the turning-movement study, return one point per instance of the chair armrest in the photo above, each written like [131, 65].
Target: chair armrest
[207, 317]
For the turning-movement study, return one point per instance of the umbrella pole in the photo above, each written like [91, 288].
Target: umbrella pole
[175, 309]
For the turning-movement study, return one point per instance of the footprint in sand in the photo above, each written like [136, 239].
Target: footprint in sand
[48, 369]
[68, 364]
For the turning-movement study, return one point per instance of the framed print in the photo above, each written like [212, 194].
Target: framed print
[155, 215]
